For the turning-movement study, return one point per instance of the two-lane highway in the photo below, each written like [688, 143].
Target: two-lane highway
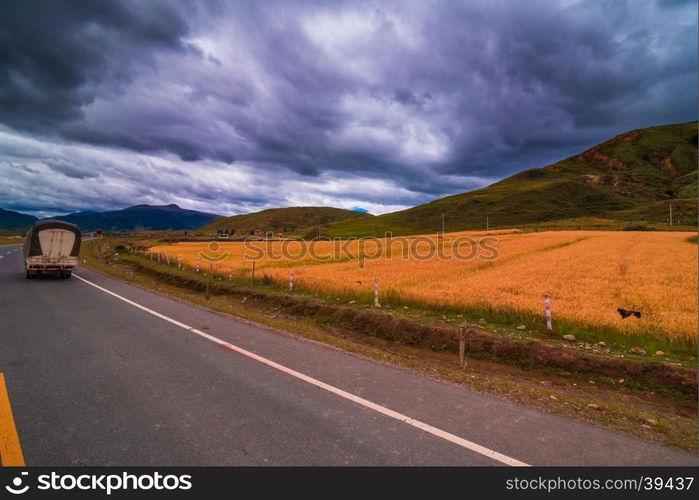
[100, 372]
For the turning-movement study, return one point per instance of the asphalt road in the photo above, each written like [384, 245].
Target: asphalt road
[94, 380]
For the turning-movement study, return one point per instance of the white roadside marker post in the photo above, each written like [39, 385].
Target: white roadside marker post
[179, 262]
[547, 307]
[291, 281]
[197, 264]
[376, 293]
[230, 273]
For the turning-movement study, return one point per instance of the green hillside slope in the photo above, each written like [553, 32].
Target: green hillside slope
[632, 177]
[300, 221]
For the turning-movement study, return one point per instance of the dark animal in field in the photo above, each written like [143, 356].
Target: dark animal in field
[625, 313]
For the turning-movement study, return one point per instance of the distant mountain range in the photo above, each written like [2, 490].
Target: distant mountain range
[155, 217]
[15, 221]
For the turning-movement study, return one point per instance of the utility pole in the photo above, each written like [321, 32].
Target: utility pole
[671, 214]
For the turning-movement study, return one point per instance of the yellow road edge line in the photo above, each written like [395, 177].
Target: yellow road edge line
[10, 449]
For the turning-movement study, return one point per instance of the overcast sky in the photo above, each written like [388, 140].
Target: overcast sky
[236, 106]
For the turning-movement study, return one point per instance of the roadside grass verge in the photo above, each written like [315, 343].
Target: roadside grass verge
[5, 240]
[508, 318]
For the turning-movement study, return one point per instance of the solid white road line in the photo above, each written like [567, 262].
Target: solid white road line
[339, 392]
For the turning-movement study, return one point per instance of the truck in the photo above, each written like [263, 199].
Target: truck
[51, 247]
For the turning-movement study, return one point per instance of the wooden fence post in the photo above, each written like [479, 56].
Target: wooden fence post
[547, 307]
[462, 346]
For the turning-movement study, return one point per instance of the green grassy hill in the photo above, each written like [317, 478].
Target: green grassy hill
[633, 177]
[297, 221]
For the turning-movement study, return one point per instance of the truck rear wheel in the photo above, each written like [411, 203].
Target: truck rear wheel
[28, 274]
[66, 274]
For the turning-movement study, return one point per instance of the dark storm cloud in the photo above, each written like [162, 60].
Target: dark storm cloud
[55, 55]
[419, 99]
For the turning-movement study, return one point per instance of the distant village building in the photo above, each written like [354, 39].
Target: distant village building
[224, 233]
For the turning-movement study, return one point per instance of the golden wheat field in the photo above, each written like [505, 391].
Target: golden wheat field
[589, 274]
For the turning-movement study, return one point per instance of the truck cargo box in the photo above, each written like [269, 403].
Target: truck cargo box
[51, 247]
